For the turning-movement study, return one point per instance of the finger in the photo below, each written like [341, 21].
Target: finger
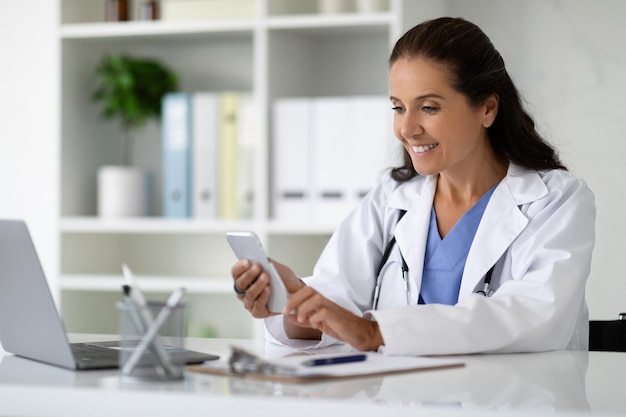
[341, 324]
[240, 267]
[322, 314]
[296, 299]
[293, 319]
[259, 306]
[318, 319]
[246, 278]
[309, 306]
[237, 271]
[238, 291]
[254, 290]
[255, 299]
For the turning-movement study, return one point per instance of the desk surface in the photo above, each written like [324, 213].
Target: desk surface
[570, 383]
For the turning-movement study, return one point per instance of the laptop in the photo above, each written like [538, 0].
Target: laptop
[30, 325]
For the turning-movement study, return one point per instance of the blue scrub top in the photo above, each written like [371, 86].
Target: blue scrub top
[445, 258]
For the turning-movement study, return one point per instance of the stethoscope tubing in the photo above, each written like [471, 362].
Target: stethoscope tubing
[485, 291]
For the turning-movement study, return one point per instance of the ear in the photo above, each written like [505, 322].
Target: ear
[490, 110]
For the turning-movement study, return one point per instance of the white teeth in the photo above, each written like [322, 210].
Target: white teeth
[420, 149]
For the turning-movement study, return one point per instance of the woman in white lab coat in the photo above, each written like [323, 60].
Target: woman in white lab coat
[493, 248]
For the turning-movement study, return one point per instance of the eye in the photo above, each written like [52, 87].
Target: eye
[430, 109]
[397, 109]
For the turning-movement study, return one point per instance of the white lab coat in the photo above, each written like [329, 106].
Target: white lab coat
[538, 230]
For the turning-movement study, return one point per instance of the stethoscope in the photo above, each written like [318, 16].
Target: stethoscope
[485, 291]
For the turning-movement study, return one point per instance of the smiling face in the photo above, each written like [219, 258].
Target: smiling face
[439, 128]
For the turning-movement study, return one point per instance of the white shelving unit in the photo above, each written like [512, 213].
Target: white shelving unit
[288, 49]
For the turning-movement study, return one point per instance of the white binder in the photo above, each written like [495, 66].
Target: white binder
[205, 125]
[247, 145]
[334, 156]
[292, 160]
[371, 121]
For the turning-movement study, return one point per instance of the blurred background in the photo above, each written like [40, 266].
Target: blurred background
[566, 56]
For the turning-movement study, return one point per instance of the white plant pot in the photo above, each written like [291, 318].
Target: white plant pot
[122, 192]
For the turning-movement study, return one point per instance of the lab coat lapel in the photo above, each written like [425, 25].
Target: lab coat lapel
[412, 230]
[501, 223]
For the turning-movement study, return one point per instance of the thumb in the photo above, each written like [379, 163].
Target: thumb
[291, 280]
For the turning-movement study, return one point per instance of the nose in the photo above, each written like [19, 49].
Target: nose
[408, 125]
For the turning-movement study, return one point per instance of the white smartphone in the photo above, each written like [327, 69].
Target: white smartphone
[247, 245]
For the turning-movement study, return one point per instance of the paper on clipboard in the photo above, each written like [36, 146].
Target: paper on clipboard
[292, 368]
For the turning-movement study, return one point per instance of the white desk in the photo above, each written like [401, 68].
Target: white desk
[566, 382]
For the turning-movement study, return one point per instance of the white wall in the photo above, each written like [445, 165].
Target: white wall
[569, 60]
[29, 122]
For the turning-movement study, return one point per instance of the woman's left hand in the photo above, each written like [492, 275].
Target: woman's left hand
[309, 308]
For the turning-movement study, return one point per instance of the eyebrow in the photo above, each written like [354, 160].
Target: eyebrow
[422, 97]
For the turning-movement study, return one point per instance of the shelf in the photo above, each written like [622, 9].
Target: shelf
[159, 225]
[153, 29]
[324, 23]
[113, 283]
[309, 24]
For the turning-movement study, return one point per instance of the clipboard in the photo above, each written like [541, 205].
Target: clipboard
[290, 369]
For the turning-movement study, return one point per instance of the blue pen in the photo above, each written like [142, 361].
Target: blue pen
[335, 360]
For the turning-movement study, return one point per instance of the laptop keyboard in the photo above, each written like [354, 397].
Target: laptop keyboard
[89, 356]
[105, 355]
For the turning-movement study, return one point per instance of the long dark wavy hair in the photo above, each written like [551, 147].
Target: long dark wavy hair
[477, 70]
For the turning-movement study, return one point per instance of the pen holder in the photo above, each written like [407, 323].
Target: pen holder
[151, 342]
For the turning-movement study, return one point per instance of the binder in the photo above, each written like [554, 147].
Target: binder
[227, 150]
[247, 143]
[292, 160]
[328, 152]
[371, 121]
[205, 125]
[177, 10]
[176, 123]
[334, 159]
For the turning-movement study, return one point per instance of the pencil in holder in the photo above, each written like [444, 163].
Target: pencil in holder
[151, 342]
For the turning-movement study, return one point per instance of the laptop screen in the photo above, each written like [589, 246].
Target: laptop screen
[30, 325]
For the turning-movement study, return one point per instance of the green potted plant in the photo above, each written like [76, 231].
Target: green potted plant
[130, 91]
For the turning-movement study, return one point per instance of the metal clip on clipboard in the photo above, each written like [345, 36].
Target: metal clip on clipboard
[242, 362]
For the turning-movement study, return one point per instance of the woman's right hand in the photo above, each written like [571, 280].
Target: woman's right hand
[254, 286]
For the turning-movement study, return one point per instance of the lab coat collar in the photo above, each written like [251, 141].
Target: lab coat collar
[502, 214]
